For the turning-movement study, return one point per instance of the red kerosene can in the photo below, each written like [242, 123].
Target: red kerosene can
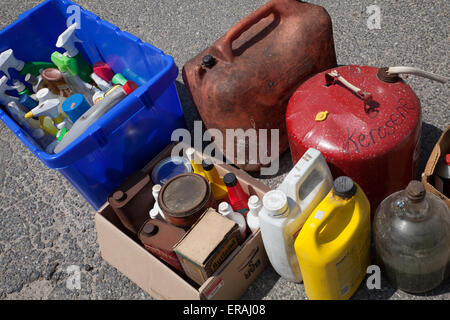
[366, 123]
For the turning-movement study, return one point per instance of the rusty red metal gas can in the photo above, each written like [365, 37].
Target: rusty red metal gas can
[245, 79]
[366, 123]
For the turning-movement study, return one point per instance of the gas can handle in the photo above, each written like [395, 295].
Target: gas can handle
[334, 76]
[224, 45]
[416, 72]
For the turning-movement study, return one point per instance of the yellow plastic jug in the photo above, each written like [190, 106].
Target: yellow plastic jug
[333, 248]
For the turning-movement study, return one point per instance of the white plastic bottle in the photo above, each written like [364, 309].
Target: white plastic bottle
[255, 206]
[156, 209]
[226, 210]
[287, 209]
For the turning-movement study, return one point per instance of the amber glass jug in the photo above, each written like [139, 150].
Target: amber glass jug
[412, 238]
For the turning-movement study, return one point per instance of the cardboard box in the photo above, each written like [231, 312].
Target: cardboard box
[124, 251]
[207, 245]
[428, 177]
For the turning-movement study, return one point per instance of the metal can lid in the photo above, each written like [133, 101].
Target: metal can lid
[344, 187]
[184, 195]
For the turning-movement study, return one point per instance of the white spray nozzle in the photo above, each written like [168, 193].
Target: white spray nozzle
[19, 86]
[4, 98]
[67, 41]
[47, 108]
[7, 61]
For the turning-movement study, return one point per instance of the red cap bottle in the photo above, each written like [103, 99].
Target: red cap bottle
[236, 195]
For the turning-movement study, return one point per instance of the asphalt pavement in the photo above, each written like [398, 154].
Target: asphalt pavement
[46, 226]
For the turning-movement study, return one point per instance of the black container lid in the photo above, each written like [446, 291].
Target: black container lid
[230, 180]
[344, 187]
[207, 164]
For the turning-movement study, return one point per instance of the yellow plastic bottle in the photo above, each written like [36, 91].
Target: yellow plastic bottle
[219, 189]
[333, 248]
[196, 166]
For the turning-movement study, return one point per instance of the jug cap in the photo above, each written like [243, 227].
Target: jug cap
[344, 187]
[416, 191]
[230, 180]
[208, 61]
[275, 202]
[207, 164]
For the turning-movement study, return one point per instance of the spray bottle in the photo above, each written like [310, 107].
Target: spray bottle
[49, 109]
[77, 65]
[37, 82]
[5, 98]
[113, 97]
[9, 61]
[74, 82]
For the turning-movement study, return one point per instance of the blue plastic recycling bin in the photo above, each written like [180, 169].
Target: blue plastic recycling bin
[132, 132]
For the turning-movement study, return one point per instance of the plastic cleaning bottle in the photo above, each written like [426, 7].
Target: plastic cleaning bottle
[21, 88]
[119, 79]
[305, 186]
[75, 106]
[36, 82]
[49, 109]
[308, 183]
[75, 83]
[95, 113]
[9, 61]
[196, 166]
[54, 81]
[236, 195]
[155, 192]
[102, 84]
[104, 71]
[278, 241]
[255, 206]
[219, 189]
[4, 97]
[227, 211]
[19, 115]
[412, 239]
[333, 247]
[77, 64]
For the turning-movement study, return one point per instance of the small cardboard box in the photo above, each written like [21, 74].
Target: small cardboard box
[123, 250]
[428, 177]
[207, 245]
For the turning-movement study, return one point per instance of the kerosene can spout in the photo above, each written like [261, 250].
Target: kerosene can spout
[393, 71]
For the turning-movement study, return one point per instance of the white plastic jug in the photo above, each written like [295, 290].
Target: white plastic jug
[281, 219]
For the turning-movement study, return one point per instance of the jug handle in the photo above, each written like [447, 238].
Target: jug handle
[224, 46]
[334, 206]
